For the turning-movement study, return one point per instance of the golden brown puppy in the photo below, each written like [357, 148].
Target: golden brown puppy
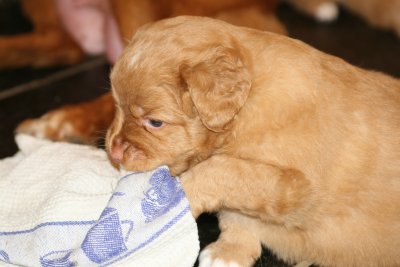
[296, 149]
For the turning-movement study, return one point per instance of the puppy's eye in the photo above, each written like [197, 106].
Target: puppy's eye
[156, 123]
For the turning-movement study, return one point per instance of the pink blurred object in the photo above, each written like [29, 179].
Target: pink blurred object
[92, 25]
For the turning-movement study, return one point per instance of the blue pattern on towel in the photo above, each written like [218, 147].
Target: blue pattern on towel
[4, 256]
[105, 239]
[163, 195]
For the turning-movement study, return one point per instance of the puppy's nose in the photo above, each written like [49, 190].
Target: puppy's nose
[118, 148]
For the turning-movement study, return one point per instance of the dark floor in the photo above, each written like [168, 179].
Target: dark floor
[28, 93]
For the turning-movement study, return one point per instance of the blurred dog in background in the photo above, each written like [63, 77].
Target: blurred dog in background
[64, 31]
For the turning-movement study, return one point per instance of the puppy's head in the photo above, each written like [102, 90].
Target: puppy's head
[177, 87]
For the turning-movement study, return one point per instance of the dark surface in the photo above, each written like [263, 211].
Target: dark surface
[349, 37]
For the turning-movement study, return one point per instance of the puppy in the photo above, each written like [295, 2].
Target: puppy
[296, 149]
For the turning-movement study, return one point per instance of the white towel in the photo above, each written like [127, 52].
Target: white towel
[64, 205]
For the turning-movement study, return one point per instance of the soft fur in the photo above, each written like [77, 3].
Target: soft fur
[296, 149]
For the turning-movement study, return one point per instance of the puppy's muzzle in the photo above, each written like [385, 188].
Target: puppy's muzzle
[117, 149]
[122, 151]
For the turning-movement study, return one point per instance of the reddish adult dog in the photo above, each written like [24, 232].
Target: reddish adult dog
[65, 30]
[295, 149]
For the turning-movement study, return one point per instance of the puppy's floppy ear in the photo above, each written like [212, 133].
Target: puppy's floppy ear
[218, 85]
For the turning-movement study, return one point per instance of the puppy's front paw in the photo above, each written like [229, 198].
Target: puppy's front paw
[191, 193]
[49, 126]
[224, 254]
[207, 260]
[56, 126]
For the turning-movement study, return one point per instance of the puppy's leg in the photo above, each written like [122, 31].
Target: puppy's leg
[39, 49]
[237, 245]
[250, 187]
[48, 44]
[81, 123]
